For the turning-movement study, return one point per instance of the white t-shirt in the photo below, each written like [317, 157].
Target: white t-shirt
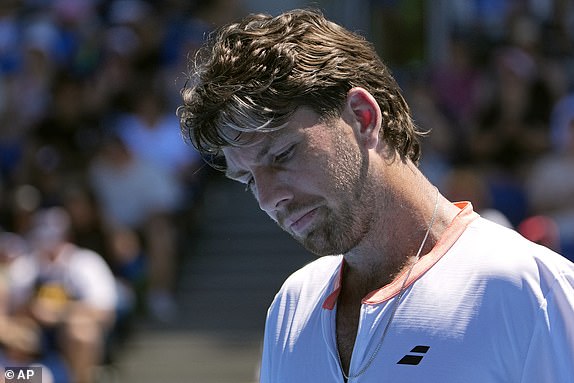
[81, 273]
[161, 145]
[485, 305]
[130, 195]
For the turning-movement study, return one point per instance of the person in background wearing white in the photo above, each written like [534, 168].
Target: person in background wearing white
[69, 291]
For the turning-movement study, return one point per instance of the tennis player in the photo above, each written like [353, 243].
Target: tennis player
[408, 286]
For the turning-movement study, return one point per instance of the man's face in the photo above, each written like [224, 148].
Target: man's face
[311, 178]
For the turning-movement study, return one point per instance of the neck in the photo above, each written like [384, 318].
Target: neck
[396, 237]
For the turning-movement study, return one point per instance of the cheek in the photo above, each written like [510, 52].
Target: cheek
[332, 163]
[345, 168]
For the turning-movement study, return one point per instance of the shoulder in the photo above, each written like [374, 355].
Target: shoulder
[314, 275]
[505, 243]
[86, 263]
[22, 272]
[499, 254]
[306, 286]
[82, 254]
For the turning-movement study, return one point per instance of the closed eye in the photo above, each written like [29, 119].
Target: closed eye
[284, 155]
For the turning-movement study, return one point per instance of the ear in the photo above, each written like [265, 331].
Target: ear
[365, 111]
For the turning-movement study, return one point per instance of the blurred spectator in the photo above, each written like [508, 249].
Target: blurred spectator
[20, 335]
[69, 291]
[550, 184]
[68, 132]
[9, 36]
[12, 246]
[151, 133]
[18, 206]
[87, 228]
[440, 145]
[455, 83]
[120, 249]
[521, 85]
[485, 16]
[512, 123]
[28, 83]
[138, 196]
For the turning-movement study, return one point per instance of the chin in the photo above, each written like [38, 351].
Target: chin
[322, 245]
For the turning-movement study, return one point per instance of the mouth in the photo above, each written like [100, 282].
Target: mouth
[298, 223]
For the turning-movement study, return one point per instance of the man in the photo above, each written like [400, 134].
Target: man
[69, 292]
[305, 114]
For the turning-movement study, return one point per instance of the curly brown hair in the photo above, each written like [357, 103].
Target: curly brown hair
[252, 75]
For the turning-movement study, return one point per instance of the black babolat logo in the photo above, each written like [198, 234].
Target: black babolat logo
[413, 360]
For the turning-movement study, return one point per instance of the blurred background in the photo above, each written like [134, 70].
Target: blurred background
[182, 264]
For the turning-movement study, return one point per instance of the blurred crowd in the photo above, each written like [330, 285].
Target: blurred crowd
[500, 107]
[97, 186]
[96, 183]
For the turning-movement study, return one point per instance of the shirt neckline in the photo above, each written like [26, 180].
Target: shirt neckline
[446, 241]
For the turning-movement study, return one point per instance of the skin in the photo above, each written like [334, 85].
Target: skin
[337, 188]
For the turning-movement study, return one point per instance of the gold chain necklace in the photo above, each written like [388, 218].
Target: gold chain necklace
[395, 304]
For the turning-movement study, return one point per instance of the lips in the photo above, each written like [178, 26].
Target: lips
[298, 223]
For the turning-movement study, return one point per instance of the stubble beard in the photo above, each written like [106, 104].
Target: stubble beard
[338, 233]
[342, 227]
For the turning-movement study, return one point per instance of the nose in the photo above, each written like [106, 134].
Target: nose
[271, 191]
